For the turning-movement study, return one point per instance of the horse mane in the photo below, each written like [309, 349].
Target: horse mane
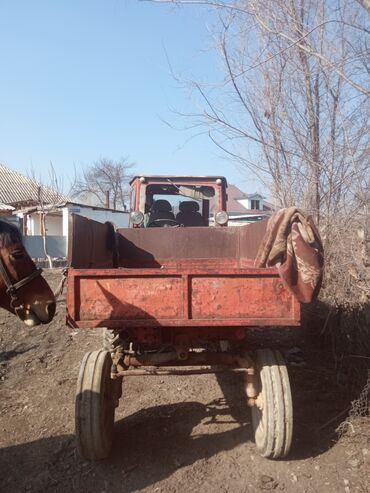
[8, 234]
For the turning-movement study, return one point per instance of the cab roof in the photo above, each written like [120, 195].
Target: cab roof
[180, 178]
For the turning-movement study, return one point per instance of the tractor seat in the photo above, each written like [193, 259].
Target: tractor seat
[189, 215]
[161, 209]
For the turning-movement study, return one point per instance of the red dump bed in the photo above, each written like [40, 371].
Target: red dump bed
[167, 297]
[172, 277]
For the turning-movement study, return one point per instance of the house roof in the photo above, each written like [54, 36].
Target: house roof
[234, 207]
[16, 189]
[4, 207]
[255, 194]
[233, 195]
[60, 205]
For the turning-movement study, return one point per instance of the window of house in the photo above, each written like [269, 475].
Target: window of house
[255, 204]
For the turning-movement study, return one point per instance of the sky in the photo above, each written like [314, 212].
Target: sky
[84, 79]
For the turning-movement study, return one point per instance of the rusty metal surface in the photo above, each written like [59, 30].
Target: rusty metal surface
[180, 336]
[194, 358]
[140, 185]
[172, 277]
[91, 244]
[227, 297]
[131, 298]
[153, 371]
[183, 179]
[193, 297]
[161, 363]
[250, 237]
[154, 247]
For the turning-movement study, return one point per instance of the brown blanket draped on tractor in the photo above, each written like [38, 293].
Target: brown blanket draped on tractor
[292, 243]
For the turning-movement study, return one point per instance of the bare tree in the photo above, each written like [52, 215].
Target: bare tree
[293, 107]
[365, 4]
[106, 181]
[50, 192]
[248, 10]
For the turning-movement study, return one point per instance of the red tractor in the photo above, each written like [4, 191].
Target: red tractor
[168, 290]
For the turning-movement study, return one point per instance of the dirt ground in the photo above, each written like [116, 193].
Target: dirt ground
[173, 434]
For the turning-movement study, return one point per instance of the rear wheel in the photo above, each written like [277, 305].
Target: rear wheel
[272, 416]
[96, 398]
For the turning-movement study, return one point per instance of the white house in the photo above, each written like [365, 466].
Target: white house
[57, 217]
[244, 208]
[252, 201]
[49, 224]
[42, 214]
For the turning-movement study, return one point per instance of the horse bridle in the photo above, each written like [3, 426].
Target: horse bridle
[12, 288]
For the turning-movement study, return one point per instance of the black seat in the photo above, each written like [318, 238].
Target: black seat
[161, 209]
[189, 215]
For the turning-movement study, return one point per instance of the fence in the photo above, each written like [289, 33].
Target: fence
[56, 247]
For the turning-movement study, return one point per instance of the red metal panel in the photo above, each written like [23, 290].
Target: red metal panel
[71, 297]
[90, 243]
[131, 298]
[154, 247]
[230, 297]
[163, 297]
[240, 322]
[195, 268]
[186, 296]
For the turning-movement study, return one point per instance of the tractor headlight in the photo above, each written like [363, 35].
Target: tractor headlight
[222, 217]
[137, 217]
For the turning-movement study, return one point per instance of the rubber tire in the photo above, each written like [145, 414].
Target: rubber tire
[96, 399]
[273, 424]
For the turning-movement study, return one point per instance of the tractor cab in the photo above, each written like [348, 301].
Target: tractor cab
[177, 201]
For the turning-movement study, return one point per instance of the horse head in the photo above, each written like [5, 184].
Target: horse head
[23, 291]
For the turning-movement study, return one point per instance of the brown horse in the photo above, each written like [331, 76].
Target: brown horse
[23, 291]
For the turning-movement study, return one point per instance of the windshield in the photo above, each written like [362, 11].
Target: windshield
[186, 205]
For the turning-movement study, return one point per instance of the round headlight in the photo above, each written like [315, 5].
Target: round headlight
[222, 217]
[137, 217]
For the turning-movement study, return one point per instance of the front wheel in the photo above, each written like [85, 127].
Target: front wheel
[272, 415]
[96, 398]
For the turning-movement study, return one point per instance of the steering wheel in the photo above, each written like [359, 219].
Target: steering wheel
[163, 223]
